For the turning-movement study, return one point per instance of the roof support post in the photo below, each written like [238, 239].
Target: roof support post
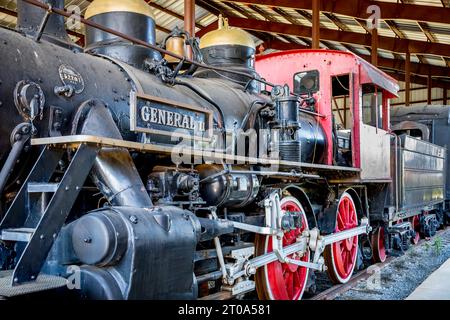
[374, 53]
[429, 87]
[189, 20]
[316, 24]
[445, 96]
[408, 79]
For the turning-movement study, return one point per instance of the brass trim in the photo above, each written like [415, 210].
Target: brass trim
[226, 35]
[105, 6]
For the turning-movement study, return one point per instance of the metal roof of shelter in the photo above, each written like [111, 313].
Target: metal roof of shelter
[419, 26]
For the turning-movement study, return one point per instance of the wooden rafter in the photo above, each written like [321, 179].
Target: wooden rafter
[170, 12]
[397, 63]
[386, 43]
[358, 8]
[394, 64]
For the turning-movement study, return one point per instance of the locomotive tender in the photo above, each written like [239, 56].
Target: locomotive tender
[151, 177]
[429, 123]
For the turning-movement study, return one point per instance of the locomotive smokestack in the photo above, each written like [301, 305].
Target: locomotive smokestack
[29, 19]
[131, 17]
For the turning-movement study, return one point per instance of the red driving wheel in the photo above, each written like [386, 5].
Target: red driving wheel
[283, 281]
[340, 257]
[378, 247]
[415, 223]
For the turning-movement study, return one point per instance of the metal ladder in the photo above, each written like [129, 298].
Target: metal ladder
[41, 208]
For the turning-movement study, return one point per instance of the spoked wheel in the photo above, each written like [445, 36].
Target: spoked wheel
[340, 257]
[378, 247]
[415, 223]
[283, 281]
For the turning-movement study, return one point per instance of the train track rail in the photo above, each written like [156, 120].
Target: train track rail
[336, 290]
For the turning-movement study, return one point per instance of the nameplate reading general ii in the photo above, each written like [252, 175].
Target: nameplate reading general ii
[158, 116]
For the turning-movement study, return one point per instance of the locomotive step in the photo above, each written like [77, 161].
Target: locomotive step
[17, 234]
[43, 282]
[36, 187]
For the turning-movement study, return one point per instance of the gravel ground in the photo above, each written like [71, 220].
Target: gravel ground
[399, 278]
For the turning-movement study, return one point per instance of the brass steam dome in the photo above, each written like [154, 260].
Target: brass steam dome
[226, 35]
[105, 6]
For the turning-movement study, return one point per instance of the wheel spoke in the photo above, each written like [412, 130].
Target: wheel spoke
[347, 209]
[349, 262]
[341, 221]
[342, 247]
[290, 285]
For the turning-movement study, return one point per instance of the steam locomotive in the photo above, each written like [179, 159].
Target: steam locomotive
[128, 173]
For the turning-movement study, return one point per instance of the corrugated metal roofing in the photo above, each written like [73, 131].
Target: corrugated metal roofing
[171, 14]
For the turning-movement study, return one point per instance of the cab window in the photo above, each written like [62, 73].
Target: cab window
[306, 82]
[372, 106]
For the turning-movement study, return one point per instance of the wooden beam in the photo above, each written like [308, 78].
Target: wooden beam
[170, 12]
[388, 65]
[358, 8]
[338, 110]
[407, 79]
[398, 33]
[396, 64]
[308, 16]
[285, 15]
[426, 30]
[189, 22]
[336, 21]
[445, 95]
[385, 43]
[414, 102]
[417, 80]
[414, 89]
[429, 88]
[262, 13]
[374, 47]
[315, 24]
[393, 26]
